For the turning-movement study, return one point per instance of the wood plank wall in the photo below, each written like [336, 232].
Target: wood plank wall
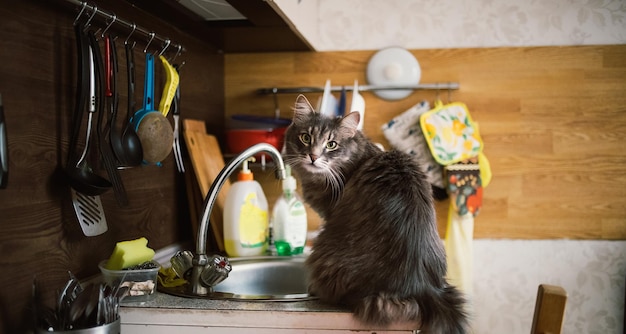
[552, 119]
[39, 234]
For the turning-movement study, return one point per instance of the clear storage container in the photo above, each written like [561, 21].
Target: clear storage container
[142, 283]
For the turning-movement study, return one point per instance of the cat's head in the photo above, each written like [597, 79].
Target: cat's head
[320, 144]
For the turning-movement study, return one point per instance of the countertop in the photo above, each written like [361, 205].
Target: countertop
[160, 300]
[162, 311]
[194, 315]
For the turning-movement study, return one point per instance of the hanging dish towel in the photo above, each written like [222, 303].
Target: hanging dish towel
[404, 134]
[466, 193]
[460, 251]
[465, 186]
[450, 133]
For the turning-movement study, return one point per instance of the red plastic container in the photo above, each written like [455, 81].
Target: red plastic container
[240, 139]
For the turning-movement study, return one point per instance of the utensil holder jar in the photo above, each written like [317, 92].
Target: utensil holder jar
[111, 328]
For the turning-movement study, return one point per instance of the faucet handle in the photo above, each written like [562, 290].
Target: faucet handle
[215, 271]
[182, 264]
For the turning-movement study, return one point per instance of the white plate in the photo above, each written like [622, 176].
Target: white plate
[393, 66]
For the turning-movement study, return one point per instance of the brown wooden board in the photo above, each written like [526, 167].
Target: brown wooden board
[551, 118]
[207, 161]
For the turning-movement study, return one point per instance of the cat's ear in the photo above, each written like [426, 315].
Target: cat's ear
[350, 122]
[302, 109]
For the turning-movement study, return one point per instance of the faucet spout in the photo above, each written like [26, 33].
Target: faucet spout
[200, 258]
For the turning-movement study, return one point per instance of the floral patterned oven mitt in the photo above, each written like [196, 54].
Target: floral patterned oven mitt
[450, 133]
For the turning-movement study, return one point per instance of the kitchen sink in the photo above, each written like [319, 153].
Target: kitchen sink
[268, 278]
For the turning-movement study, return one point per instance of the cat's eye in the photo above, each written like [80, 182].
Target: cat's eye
[305, 138]
[331, 145]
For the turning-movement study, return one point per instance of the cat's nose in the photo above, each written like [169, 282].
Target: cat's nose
[313, 157]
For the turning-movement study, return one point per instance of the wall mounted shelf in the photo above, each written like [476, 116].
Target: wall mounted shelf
[362, 88]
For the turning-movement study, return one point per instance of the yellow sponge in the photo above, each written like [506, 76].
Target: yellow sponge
[129, 253]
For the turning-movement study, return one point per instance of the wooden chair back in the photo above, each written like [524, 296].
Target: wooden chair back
[549, 310]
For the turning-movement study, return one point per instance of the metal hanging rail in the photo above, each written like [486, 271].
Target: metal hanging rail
[362, 88]
[111, 18]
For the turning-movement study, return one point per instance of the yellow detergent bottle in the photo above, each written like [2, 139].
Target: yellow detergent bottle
[246, 219]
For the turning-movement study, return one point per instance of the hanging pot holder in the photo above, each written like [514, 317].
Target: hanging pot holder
[404, 134]
[450, 133]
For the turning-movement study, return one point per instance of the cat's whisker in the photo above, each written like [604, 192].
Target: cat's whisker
[336, 181]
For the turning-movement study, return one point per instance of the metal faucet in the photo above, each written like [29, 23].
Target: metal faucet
[208, 271]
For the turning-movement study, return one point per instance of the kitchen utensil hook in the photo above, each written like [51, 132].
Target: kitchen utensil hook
[276, 107]
[113, 19]
[167, 44]
[134, 26]
[82, 10]
[178, 52]
[149, 41]
[88, 23]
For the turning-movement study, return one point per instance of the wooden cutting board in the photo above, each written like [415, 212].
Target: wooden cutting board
[207, 161]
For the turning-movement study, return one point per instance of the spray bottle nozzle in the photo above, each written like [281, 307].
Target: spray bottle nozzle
[289, 183]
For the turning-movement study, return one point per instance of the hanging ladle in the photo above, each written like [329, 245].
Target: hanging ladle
[130, 139]
[81, 176]
[126, 144]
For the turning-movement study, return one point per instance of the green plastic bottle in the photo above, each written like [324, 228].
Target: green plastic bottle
[289, 222]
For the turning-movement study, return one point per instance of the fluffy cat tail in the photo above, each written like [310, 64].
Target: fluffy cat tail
[439, 312]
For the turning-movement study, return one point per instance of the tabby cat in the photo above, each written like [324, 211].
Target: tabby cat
[378, 252]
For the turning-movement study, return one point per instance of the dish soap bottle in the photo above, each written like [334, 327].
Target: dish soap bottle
[289, 221]
[246, 216]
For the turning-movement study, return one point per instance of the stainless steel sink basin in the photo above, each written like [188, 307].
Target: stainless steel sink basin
[259, 278]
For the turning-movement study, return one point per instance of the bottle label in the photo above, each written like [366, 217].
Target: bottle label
[296, 226]
[252, 223]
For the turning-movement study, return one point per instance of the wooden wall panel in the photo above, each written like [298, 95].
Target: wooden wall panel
[552, 119]
[39, 233]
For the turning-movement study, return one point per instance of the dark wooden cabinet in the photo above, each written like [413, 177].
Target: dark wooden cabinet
[263, 30]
